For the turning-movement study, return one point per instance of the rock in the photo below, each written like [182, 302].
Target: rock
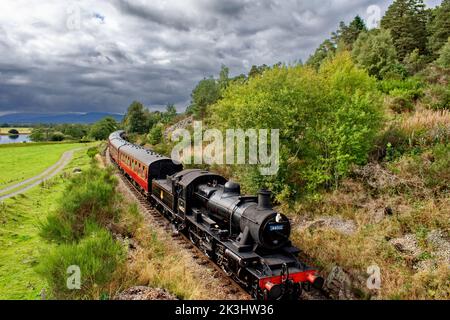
[144, 293]
[338, 284]
[183, 124]
[441, 244]
[407, 245]
[347, 227]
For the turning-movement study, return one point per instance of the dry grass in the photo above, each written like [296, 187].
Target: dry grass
[426, 120]
[369, 245]
[414, 211]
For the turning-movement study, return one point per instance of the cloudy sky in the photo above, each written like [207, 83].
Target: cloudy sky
[84, 55]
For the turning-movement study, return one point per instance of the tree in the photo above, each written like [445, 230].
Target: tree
[375, 51]
[327, 121]
[170, 114]
[136, 120]
[407, 21]
[103, 128]
[414, 62]
[444, 58]
[224, 78]
[155, 135]
[439, 28]
[257, 70]
[206, 93]
[37, 135]
[347, 35]
[326, 49]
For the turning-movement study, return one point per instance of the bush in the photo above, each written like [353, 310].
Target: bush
[97, 255]
[156, 134]
[400, 101]
[92, 152]
[412, 85]
[90, 196]
[327, 121]
[56, 136]
[437, 97]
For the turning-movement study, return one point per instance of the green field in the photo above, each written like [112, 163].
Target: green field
[19, 241]
[21, 162]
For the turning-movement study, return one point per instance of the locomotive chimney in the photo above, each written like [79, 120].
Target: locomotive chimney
[264, 200]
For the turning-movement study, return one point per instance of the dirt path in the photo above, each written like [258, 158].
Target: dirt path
[36, 180]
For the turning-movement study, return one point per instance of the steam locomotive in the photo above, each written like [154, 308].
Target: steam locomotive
[241, 234]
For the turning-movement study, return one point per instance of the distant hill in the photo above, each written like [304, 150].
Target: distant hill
[49, 118]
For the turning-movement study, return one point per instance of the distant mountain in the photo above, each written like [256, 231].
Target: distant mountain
[49, 118]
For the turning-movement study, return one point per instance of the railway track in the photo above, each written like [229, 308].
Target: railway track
[232, 287]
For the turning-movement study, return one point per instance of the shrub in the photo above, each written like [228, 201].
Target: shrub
[90, 196]
[400, 101]
[56, 136]
[155, 135]
[97, 255]
[444, 56]
[92, 152]
[413, 85]
[327, 121]
[437, 97]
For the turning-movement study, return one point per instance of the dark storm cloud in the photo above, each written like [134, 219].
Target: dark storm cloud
[86, 55]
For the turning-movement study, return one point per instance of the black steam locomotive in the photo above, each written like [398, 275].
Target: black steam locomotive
[241, 234]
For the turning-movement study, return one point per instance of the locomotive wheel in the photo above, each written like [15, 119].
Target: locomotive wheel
[193, 237]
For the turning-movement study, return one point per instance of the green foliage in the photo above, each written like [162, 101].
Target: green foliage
[257, 70]
[327, 121]
[326, 50]
[439, 28]
[102, 129]
[407, 22]
[156, 134]
[347, 35]
[97, 255]
[92, 152]
[90, 196]
[170, 114]
[414, 62]
[401, 100]
[444, 56]
[206, 93]
[38, 135]
[56, 136]
[135, 120]
[375, 52]
[437, 97]
[413, 85]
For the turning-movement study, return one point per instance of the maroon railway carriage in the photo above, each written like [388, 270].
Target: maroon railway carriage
[144, 166]
[141, 165]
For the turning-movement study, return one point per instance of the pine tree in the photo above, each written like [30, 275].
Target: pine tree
[439, 28]
[351, 33]
[407, 21]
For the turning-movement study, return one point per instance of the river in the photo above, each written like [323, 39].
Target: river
[14, 139]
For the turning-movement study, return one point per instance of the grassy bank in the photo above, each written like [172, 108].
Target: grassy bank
[19, 226]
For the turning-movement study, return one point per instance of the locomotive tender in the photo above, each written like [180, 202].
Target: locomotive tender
[241, 234]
